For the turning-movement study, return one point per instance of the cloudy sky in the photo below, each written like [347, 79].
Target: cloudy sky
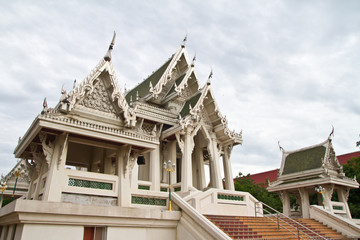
[283, 70]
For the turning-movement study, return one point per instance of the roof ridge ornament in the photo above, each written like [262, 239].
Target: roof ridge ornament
[210, 76]
[331, 135]
[280, 147]
[107, 56]
[193, 61]
[184, 41]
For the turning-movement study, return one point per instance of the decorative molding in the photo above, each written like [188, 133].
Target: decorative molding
[63, 150]
[99, 99]
[97, 127]
[48, 149]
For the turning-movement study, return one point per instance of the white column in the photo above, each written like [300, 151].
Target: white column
[343, 195]
[155, 169]
[186, 167]
[55, 178]
[229, 180]
[327, 194]
[124, 193]
[305, 203]
[172, 158]
[215, 176]
[285, 199]
[199, 158]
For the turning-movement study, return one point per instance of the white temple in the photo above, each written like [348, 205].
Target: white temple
[95, 160]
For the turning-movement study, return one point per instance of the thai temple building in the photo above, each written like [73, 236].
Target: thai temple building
[313, 176]
[105, 164]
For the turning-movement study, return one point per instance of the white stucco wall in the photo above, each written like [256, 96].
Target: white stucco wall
[119, 233]
[51, 232]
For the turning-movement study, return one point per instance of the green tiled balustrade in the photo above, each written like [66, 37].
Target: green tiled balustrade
[89, 184]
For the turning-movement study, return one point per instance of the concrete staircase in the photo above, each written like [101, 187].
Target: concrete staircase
[267, 228]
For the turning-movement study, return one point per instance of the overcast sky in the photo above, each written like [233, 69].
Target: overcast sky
[283, 70]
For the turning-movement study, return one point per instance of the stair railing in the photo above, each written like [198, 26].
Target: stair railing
[279, 219]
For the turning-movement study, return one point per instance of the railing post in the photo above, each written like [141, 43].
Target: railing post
[255, 209]
[277, 217]
[297, 226]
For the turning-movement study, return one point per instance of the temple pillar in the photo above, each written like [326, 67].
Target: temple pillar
[229, 180]
[343, 194]
[172, 158]
[134, 177]
[215, 176]
[304, 202]
[55, 176]
[122, 159]
[186, 166]
[107, 165]
[285, 199]
[155, 169]
[199, 166]
[327, 195]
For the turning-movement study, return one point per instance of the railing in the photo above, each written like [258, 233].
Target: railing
[281, 223]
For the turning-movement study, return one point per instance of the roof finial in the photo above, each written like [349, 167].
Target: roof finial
[332, 133]
[280, 147]
[74, 84]
[107, 56]
[193, 61]
[210, 76]
[45, 106]
[184, 41]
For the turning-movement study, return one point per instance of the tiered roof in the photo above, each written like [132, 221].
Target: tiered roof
[313, 165]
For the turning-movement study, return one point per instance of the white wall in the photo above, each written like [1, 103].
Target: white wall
[124, 233]
[51, 232]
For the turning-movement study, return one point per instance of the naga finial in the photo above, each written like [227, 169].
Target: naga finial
[193, 61]
[210, 76]
[184, 41]
[107, 56]
[332, 133]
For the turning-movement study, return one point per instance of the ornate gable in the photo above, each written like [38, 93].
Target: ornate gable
[98, 99]
[203, 107]
[99, 91]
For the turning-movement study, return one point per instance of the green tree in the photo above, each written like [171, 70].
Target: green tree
[245, 184]
[352, 169]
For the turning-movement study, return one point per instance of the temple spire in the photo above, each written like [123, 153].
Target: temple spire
[107, 56]
[184, 41]
[210, 76]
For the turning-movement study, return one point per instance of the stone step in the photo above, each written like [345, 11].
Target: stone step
[238, 227]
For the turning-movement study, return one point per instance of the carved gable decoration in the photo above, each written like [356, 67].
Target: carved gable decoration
[98, 99]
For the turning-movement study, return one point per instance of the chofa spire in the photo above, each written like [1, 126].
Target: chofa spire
[107, 56]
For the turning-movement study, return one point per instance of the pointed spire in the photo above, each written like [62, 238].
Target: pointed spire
[107, 56]
[45, 106]
[280, 147]
[74, 84]
[184, 41]
[193, 61]
[332, 133]
[210, 76]
[63, 91]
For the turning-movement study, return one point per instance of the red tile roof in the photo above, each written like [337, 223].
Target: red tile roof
[272, 174]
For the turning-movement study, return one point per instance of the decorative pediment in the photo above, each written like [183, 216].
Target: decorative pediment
[203, 107]
[99, 91]
[99, 99]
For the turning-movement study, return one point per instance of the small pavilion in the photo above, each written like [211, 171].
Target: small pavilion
[313, 175]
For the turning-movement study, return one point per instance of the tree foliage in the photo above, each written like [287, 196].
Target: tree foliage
[245, 184]
[352, 169]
